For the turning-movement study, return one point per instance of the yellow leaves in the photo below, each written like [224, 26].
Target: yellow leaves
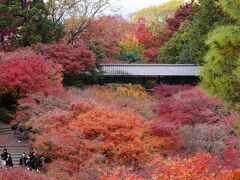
[157, 14]
[130, 43]
[133, 91]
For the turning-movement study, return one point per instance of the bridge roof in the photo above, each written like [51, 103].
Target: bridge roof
[150, 69]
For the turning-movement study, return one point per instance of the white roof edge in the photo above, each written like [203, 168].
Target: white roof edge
[150, 65]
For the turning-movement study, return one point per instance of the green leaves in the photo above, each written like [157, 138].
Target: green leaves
[232, 7]
[28, 23]
[220, 74]
[188, 43]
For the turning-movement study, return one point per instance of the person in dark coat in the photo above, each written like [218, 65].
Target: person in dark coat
[23, 160]
[9, 162]
[32, 161]
[4, 157]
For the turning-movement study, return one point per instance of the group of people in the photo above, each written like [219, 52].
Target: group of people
[31, 161]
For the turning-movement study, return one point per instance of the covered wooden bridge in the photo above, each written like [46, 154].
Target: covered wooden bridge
[150, 73]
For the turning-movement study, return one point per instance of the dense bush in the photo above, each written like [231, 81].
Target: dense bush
[122, 97]
[21, 173]
[87, 133]
[74, 59]
[189, 108]
[20, 75]
[131, 91]
[169, 90]
[203, 137]
[201, 166]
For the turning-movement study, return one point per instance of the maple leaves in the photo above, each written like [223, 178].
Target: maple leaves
[197, 123]
[103, 36]
[89, 131]
[182, 14]
[140, 42]
[169, 90]
[16, 173]
[189, 107]
[32, 73]
[74, 60]
[200, 166]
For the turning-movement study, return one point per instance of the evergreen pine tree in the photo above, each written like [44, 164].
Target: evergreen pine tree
[221, 73]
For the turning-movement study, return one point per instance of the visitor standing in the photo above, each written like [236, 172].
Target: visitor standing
[9, 162]
[4, 157]
[23, 160]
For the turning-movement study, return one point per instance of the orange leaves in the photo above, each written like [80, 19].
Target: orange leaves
[202, 166]
[193, 168]
[119, 132]
[132, 91]
[88, 132]
[229, 175]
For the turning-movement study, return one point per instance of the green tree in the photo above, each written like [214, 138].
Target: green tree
[189, 40]
[28, 21]
[221, 73]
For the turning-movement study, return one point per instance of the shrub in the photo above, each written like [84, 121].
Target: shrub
[169, 90]
[131, 91]
[30, 73]
[20, 173]
[189, 108]
[201, 166]
[74, 59]
[6, 115]
[209, 138]
[88, 133]
[39, 103]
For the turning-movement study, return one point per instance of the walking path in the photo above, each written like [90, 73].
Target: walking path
[7, 141]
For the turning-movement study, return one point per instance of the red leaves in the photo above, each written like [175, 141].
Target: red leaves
[231, 157]
[189, 107]
[169, 90]
[201, 166]
[73, 59]
[181, 15]
[20, 173]
[89, 133]
[147, 42]
[141, 31]
[21, 75]
[105, 33]
[193, 168]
